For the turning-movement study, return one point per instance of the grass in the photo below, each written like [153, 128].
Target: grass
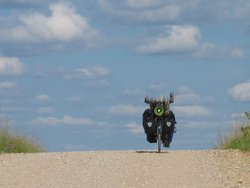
[11, 142]
[238, 139]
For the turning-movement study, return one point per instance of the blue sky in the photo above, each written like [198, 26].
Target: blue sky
[74, 74]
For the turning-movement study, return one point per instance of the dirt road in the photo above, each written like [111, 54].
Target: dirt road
[173, 169]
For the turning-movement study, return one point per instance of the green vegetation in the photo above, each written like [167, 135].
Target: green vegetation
[241, 142]
[238, 139]
[11, 142]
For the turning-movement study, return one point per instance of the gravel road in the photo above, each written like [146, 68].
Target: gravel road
[173, 169]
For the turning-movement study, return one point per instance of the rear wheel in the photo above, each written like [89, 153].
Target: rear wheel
[159, 138]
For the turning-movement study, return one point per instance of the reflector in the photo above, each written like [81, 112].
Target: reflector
[159, 110]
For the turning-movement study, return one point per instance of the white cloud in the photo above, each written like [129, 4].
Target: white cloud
[157, 86]
[176, 38]
[238, 119]
[192, 110]
[237, 53]
[143, 11]
[185, 95]
[165, 13]
[135, 128]
[99, 83]
[189, 11]
[142, 3]
[75, 99]
[96, 76]
[11, 66]
[13, 109]
[45, 110]
[237, 115]
[240, 11]
[133, 92]
[63, 24]
[203, 125]
[42, 98]
[66, 120]
[47, 121]
[187, 98]
[205, 50]
[7, 85]
[240, 92]
[180, 38]
[126, 110]
[209, 50]
[93, 72]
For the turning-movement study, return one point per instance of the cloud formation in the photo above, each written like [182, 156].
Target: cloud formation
[7, 85]
[158, 11]
[142, 4]
[63, 26]
[210, 50]
[175, 38]
[185, 96]
[203, 124]
[66, 120]
[192, 110]
[126, 110]
[133, 92]
[240, 92]
[11, 66]
[143, 11]
[45, 110]
[135, 128]
[42, 98]
[96, 76]
[92, 72]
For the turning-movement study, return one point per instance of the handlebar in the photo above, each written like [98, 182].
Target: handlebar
[161, 99]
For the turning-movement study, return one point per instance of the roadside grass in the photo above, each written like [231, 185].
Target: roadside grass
[239, 138]
[11, 142]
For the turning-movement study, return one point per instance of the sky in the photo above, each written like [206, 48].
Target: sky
[74, 74]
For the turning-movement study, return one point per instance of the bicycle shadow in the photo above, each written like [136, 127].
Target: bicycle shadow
[152, 151]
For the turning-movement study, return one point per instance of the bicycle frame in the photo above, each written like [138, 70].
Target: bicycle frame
[159, 133]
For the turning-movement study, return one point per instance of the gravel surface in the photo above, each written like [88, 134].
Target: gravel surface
[208, 168]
